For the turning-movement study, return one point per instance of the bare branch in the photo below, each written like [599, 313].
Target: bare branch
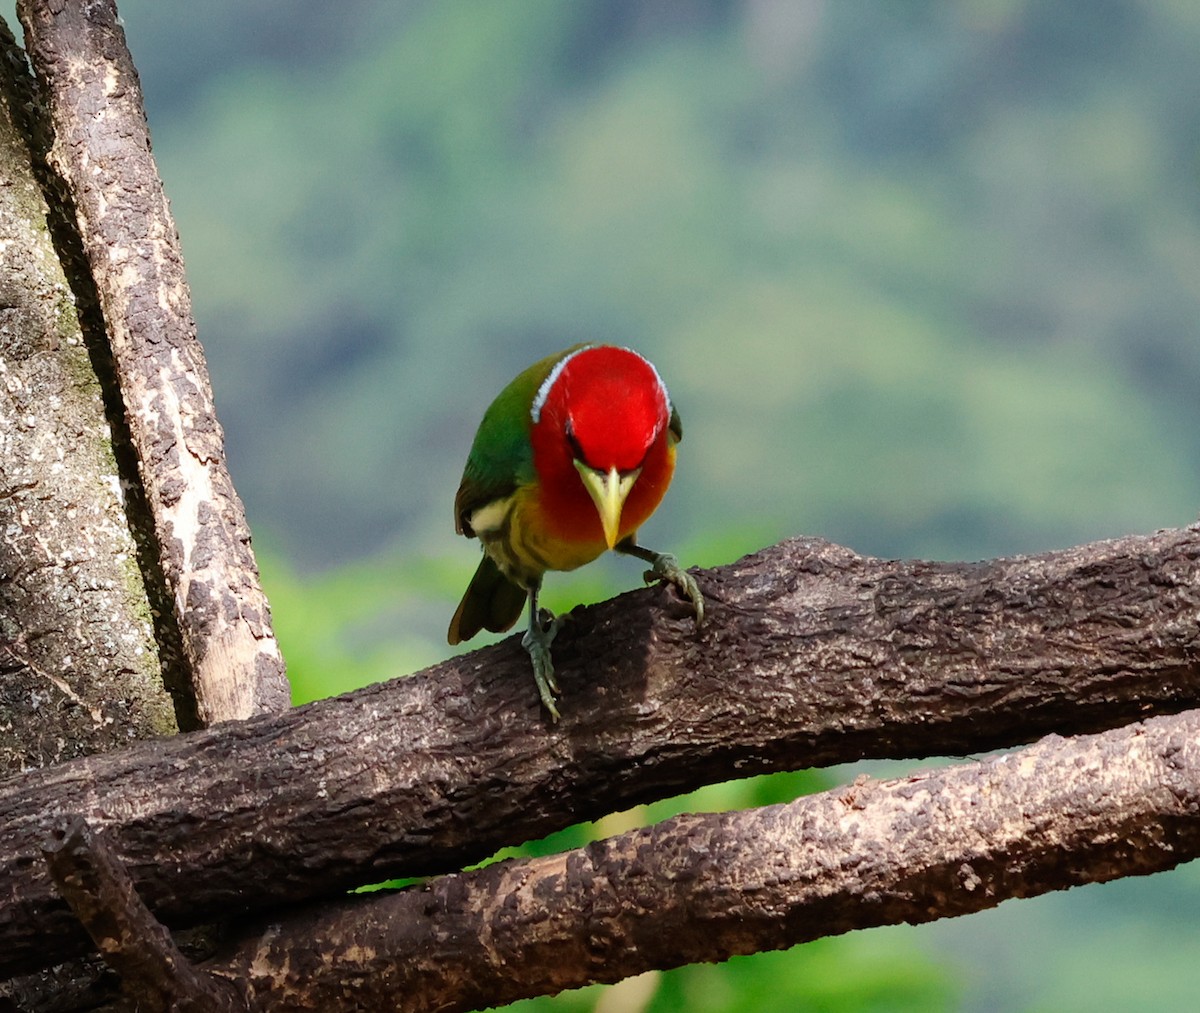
[811, 655]
[706, 887]
[101, 150]
[153, 971]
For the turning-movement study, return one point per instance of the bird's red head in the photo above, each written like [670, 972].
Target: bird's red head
[609, 402]
[601, 442]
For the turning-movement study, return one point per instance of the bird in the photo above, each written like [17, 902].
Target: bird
[569, 461]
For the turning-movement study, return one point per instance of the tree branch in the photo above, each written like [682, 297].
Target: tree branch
[101, 152]
[706, 887]
[154, 973]
[811, 655]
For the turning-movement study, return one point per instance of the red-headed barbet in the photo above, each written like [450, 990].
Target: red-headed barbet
[569, 460]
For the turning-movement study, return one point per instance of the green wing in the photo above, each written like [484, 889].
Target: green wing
[492, 602]
[501, 457]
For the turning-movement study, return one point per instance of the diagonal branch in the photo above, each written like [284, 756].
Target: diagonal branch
[154, 972]
[101, 153]
[811, 655]
[706, 887]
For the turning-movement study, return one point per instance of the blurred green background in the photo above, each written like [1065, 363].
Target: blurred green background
[922, 278]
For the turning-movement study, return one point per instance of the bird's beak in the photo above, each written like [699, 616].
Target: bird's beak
[608, 490]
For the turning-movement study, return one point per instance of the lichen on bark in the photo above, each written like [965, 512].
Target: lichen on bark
[79, 671]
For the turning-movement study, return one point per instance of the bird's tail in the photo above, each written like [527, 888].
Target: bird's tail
[492, 602]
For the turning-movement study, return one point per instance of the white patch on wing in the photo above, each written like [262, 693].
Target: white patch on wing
[490, 517]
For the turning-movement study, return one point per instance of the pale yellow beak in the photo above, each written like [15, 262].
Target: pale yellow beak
[608, 490]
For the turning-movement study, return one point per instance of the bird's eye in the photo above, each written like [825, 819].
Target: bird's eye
[573, 442]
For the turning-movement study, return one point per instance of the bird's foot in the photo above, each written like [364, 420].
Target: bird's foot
[664, 566]
[537, 642]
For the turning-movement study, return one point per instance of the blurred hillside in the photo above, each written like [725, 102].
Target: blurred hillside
[922, 278]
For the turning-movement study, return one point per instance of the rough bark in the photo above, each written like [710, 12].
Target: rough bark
[77, 601]
[101, 152]
[78, 666]
[811, 655]
[79, 661]
[706, 887]
[155, 974]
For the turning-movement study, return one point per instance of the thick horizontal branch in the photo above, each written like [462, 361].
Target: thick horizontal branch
[811, 655]
[706, 887]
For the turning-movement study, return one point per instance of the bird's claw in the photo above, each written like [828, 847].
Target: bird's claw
[666, 567]
[537, 641]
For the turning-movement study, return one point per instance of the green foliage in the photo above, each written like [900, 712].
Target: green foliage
[882, 973]
[348, 628]
[908, 293]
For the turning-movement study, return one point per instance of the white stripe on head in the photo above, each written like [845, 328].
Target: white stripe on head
[543, 392]
[657, 375]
